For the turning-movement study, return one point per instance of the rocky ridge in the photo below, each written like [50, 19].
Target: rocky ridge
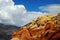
[45, 27]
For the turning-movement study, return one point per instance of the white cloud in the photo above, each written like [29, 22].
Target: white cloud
[29, 16]
[52, 8]
[18, 15]
[15, 14]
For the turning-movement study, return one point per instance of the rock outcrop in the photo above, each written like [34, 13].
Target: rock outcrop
[46, 27]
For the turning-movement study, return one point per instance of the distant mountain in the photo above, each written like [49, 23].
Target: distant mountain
[6, 31]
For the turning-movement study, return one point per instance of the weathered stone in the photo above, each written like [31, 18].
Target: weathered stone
[46, 27]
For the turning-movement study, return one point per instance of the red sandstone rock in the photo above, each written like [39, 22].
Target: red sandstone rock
[36, 31]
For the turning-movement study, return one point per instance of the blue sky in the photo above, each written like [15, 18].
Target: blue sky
[32, 5]
[21, 12]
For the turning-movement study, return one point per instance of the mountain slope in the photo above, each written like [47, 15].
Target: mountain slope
[45, 27]
[6, 31]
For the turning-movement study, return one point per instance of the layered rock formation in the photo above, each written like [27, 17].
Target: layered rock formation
[46, 27]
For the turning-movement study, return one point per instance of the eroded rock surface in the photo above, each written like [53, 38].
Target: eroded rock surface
[46, 27]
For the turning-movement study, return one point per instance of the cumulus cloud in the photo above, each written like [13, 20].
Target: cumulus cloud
[15, 14]
[18, 14]
[52, 8]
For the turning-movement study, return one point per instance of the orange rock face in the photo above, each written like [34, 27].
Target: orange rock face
[37, 30]
[23, 34]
